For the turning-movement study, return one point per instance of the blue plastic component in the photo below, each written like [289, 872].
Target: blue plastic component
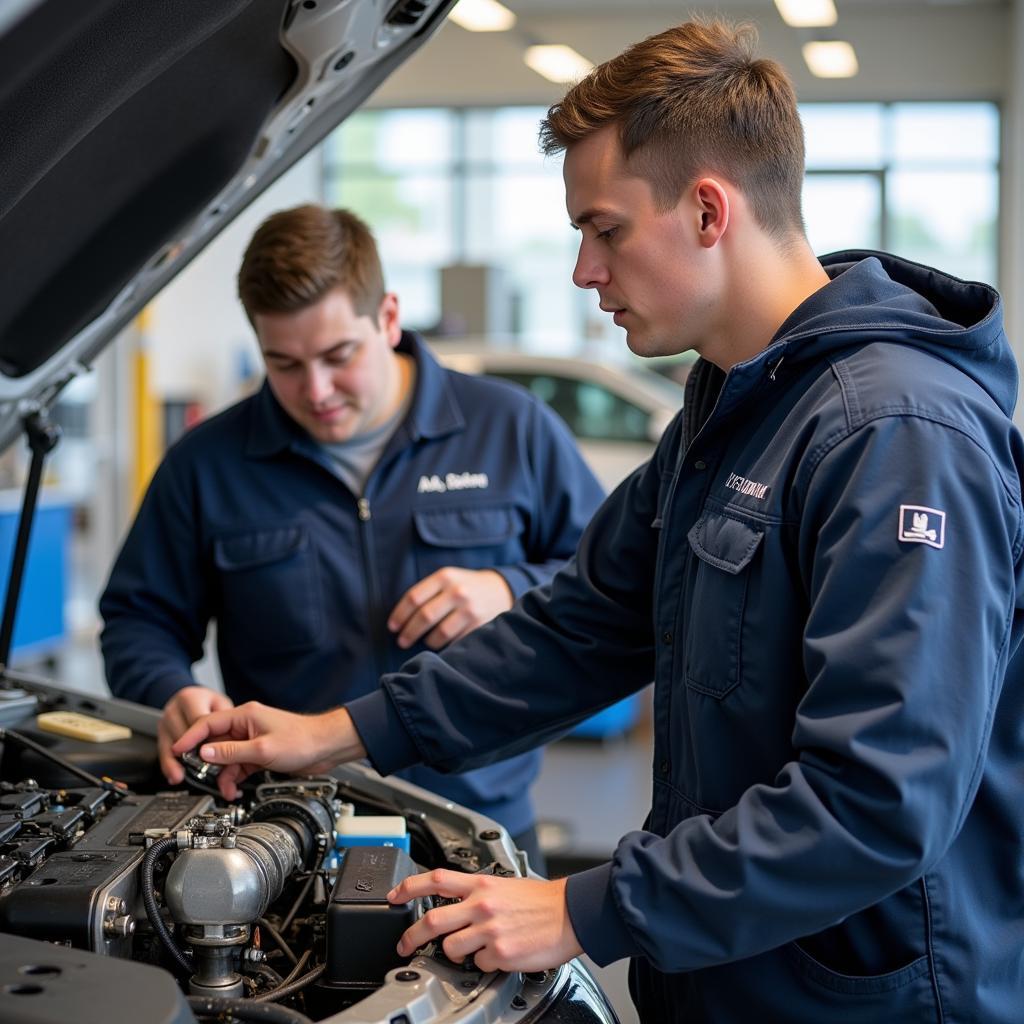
[612, 721]
[39, 624]
[401, 842]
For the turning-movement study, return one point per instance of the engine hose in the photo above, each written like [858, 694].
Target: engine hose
[153, 854]
[279, 939]
[292, 987]
[245, 1010]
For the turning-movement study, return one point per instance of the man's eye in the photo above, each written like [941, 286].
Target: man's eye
[607, 233]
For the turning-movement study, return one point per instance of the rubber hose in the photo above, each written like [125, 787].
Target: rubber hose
[153, 854]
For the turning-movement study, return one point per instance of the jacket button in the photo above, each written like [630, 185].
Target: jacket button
[700, 464]
[666, 639]
[663, 767]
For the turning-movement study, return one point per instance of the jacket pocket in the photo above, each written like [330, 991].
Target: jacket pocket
[469, 537]
[911, 982]
[270, 589]
[725, 548]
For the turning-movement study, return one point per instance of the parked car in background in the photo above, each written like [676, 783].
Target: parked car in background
[616, 412]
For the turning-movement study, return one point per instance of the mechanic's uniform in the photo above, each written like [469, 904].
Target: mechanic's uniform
[822, 568]
[247, 523]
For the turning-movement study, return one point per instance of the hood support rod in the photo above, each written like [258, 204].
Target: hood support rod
[43, 436]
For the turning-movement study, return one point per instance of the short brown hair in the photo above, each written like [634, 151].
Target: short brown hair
[694, 99]
[297, 256]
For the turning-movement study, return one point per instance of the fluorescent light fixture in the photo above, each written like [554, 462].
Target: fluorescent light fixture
[557, 63]
[807, 13]
[482, 16]
[831, 60]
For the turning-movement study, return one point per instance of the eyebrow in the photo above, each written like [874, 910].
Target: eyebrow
[588, 215]
[269, 353]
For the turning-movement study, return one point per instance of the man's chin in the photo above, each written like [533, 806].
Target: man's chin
[331, 432]
[649, 347]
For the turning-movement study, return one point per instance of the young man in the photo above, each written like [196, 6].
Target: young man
[822, 568]
[366, 503]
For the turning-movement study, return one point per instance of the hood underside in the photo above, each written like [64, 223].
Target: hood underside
[132, 133]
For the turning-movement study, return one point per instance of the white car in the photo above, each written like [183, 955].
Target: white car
[617, 413]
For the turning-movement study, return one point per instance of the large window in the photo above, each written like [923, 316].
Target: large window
[917, 179]
[443, 186]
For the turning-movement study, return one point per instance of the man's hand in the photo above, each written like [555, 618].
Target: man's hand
[448, 604]
[185, 707]
[505, 924]
[252, 737]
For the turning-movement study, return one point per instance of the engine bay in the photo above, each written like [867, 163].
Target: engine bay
[272, 908]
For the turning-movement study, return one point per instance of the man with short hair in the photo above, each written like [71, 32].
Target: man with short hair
[822, 567]
[366, 503]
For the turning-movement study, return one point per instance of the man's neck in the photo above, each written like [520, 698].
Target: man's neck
[766, 287]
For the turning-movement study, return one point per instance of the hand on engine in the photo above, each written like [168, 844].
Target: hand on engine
[505, 924]
[188, 705]
[252, 737]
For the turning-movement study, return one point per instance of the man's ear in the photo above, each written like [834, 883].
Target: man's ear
[389, 320]
[713, 207]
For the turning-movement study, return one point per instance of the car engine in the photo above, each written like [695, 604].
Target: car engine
[123, 899]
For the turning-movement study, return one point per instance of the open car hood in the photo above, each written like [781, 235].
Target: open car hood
[132, 133]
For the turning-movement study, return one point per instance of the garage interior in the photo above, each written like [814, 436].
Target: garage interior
[920, 151]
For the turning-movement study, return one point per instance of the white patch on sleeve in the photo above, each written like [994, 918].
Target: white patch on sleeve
[920, 525]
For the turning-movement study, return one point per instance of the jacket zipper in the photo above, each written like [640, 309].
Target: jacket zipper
[375, 609]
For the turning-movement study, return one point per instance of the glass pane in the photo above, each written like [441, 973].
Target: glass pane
[591, 412]
[518, 222]
[945, 132]
[506, 136]
[411, 215]
[845, 135]
[947, 220]
[842, 211]
[419, 294]
[396, 140]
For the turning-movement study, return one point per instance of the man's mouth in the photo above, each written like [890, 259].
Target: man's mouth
[326, 415]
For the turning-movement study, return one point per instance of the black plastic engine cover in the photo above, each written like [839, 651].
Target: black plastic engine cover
[363, 929]
[45, 984]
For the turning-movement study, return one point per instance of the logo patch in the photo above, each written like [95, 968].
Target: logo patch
[453, 482]
[742, 485]
[920, 525]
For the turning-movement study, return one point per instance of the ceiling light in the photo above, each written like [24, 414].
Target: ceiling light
[831, 60]
[807, 13]
[558, 63]
[482, 16]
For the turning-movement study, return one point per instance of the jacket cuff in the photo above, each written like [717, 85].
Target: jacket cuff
[595, 918]
[380, 727]
[518, 580]
[160, 691]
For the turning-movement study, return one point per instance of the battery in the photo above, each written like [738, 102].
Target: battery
[363, 929]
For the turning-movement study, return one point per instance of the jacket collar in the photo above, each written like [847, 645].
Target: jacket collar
[435, 409]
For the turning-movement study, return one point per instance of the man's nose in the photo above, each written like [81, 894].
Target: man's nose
[589, 272]
[318, 385]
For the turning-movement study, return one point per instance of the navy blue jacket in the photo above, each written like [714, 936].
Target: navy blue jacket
[822, 568]
[246, 524]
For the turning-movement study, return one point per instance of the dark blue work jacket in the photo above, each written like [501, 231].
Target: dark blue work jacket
[246, 524]
[822, 568]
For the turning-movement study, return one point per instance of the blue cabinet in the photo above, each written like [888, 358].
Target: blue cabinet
[39, 625]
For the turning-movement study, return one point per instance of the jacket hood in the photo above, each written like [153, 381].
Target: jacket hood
[874, 296]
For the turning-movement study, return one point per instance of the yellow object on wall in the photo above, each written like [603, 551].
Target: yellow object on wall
[149, 440]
